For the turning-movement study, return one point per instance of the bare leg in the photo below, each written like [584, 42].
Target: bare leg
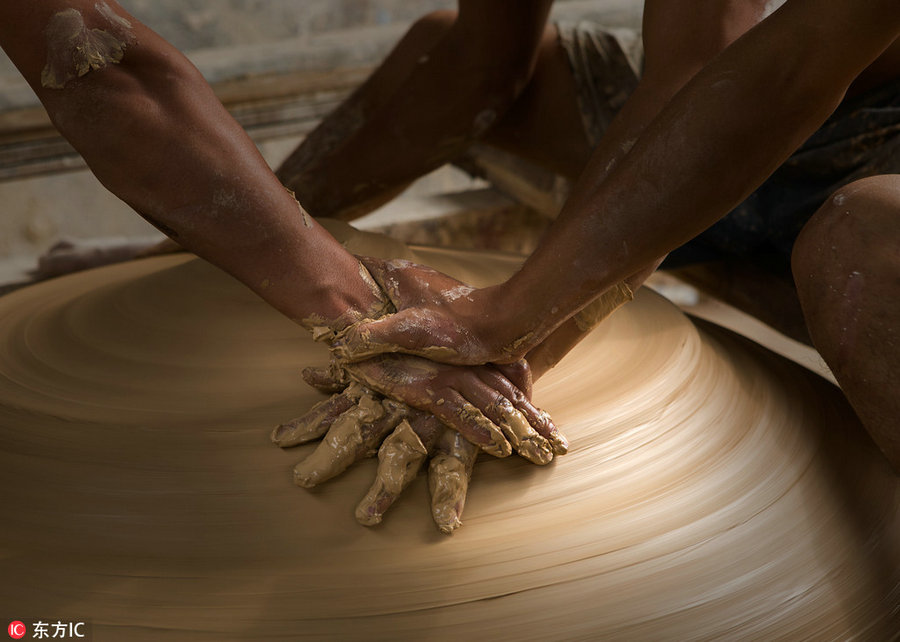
[543, 125]
[847, 267]
[308, 170]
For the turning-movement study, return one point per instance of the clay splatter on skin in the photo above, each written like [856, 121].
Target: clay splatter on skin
[458, 292]
[524, 439]
[73, 49]
[483, 122]
[328, 331]
[516, 346]
[627, 145]
[342, 443]
[593, 313]
[448, 480]
[304, 215]
[383, 304]
[106, 11]
[493, 442]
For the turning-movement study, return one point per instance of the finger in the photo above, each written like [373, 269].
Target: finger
[391, 377]
[399, 459]
[353, 436]
[460, 415]
[536, 418]
[519, 374]
[328, 379]
[525, 440]
[411, 331]
[428, 427]
[448, 480]
[318, 420]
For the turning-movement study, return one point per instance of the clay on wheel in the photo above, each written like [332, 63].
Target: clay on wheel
[712, 488]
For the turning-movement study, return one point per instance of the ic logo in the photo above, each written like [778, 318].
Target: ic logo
[16, 630]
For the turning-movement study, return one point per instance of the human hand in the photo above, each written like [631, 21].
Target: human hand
[355, 420]
[437, 317]
[481, 403]
[353, 423]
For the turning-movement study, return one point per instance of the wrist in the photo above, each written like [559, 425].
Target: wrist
[310, 278]
[509, 322]
[335, 304]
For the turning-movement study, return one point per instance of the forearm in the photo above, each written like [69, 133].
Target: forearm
[152, 131]
[673, 55]
[544, 357]
[720, 137]
[570, 333]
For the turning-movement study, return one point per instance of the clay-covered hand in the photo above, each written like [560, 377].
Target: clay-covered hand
[436, 317]
[357, 423]
[357, 419]
[481, 403]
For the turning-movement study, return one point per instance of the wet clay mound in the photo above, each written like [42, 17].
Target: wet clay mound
[712, 489]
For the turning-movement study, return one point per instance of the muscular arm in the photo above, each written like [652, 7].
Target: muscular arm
[676, 49]
[440, 89]
[152, 131]
[672, 56]
[718, 138]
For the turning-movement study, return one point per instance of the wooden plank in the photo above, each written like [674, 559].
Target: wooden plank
[267, 106]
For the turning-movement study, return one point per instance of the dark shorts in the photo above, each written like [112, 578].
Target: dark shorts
[861, 138]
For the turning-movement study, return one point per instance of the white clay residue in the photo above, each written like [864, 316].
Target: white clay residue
[458, 292]
[594, 312]
[106, 11]
[73, 49]
[304, 215]
[483, 121]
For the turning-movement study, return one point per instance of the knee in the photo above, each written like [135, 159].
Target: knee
[854, 232]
